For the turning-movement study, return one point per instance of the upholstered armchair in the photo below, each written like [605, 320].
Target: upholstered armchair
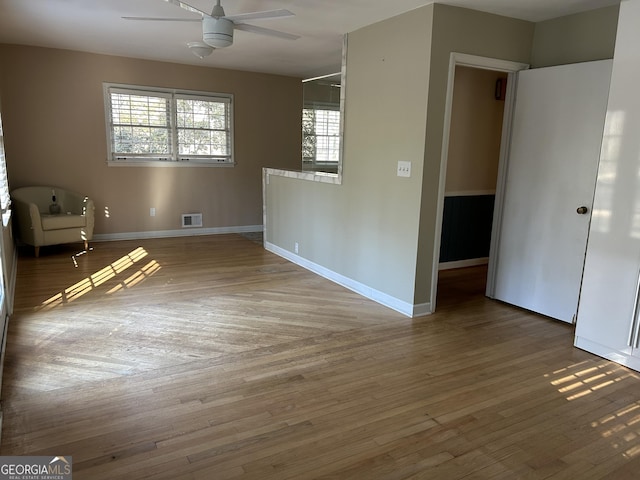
[39, 224]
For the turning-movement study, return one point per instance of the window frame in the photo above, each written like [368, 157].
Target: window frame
[6, 302]
[5, 196]
[328, 107]
[173, 158]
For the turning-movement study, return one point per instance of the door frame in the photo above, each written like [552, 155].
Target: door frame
[485, 63]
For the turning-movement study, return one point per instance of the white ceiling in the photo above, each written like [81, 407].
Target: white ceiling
[96, 26]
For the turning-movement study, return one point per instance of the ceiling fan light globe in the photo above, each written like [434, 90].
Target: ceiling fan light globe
[200, 49]
[217, 32]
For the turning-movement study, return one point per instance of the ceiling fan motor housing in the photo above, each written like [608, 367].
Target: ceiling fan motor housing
[217, 32]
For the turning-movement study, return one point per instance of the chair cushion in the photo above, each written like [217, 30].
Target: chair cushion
[58, 222]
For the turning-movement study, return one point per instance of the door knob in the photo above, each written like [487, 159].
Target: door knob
[582, 210]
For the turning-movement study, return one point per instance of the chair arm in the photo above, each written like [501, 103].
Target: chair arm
[29, 224]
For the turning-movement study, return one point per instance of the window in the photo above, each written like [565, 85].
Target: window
[168, 127]
[5, 208]
[5, 199]
[320, 135]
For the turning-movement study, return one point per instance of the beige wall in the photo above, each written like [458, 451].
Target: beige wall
[476, 127]
[53, 111]
[462, 31]
[377, 228]
[575, 38]
[367, 228]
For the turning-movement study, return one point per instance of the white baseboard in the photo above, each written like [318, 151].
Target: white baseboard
[382, 298]
[472, 262]
[186, 232]
[609, 353]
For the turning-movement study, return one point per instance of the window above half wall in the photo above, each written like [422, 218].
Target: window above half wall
[323, 99]
[322, 124]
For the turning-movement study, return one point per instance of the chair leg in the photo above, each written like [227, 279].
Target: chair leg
[37, 251]
[86, 245]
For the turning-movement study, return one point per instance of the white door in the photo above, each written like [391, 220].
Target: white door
[609, 309]
[557, 127]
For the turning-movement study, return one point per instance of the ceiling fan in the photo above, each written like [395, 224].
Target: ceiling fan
[217, 28]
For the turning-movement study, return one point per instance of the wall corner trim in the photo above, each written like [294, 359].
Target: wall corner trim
[422, 309]
[377, 296]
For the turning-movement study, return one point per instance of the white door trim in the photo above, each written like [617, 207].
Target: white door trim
[486, 63]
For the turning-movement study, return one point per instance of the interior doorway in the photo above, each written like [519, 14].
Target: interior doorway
[470, 186]
[479, 104]
[472, 166]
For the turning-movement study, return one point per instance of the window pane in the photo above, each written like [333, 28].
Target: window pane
[140, 124]
[4, 183]
[201, 114]
[321, 135]
[203, 142]
[202, 127]
[141, 140]
[139, 110]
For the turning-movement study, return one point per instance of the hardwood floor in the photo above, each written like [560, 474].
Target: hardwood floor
[210, 358]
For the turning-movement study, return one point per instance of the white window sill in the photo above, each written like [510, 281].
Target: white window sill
[322, 177]
[170, 164]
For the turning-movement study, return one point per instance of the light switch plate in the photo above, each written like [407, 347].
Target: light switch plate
[404, 169]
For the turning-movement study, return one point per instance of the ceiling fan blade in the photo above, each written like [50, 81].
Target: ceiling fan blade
[187, 7]
[159, 19]
[265, 31]
[241, 17]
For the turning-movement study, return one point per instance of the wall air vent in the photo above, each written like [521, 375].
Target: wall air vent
[191, 220]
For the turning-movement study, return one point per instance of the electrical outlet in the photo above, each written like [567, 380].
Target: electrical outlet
[295, 247]
[404, 169]
[152, 212]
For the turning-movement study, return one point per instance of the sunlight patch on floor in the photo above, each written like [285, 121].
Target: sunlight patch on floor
[583, 379]
[104, 275]
[622, 428]
[144, 272]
